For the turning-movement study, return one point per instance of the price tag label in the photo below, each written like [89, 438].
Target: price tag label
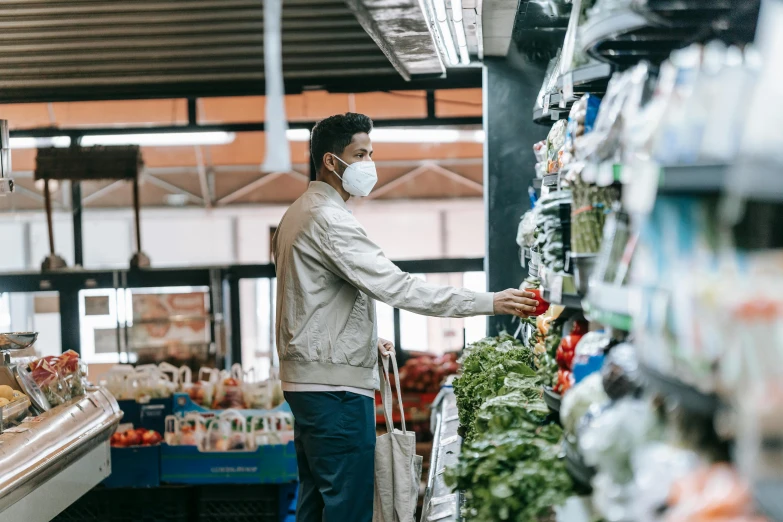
[441, 515]
[437, 501]
[449, 440]
[547, 101]
[556, 289]
[568, 86]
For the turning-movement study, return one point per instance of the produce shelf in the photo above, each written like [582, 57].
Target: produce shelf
[692, 179]
[440, 503]
[568, 300]
[550, 180]
[624, 37]
[552, 399]
[590, 78]
[580, 472]
[689, 398]
[611, 305]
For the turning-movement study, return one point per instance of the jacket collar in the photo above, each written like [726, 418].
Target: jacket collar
[319, 187]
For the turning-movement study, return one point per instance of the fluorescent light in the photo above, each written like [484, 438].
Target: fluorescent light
[408, 135]
[173, 139]
[297, 135]
[36, 143]
[459, 29]
[439, 6]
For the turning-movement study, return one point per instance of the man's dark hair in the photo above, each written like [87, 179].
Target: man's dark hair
[335, 133]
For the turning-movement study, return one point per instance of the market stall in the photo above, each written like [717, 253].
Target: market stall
[54, 432]
[644, 387]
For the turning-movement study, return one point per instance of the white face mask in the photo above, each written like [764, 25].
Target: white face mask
[359, 178]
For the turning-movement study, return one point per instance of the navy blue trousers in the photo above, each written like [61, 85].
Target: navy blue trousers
[334, 434]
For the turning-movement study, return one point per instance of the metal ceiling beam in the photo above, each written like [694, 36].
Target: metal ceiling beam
[48, 132]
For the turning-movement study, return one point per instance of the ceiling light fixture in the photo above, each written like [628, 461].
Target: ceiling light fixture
[40, 143]
[459, 29]
[444, 31]
[173, 139]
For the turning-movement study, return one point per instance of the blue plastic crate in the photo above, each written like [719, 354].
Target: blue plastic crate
[136, 467]
[183, 404]
[151, 415]
[266, 465]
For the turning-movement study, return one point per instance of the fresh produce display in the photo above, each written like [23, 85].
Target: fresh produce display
[484, 369]
[137, 437]
[212, 388]
[426, 373]
[510, 466]
[59, 377]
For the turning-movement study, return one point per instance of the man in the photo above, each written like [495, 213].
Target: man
[329, 275]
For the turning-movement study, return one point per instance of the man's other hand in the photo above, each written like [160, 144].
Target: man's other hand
[515, 302]
[385, 348]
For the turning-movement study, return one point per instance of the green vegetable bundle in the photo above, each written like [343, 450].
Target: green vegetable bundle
[512, 475]
[509, 467]
[484, 370]
[588, 215]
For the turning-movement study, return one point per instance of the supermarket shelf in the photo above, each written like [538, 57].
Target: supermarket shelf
[692, 179]
[597, 30]
[552, 399]
[583, 78]
[550, 180]
[440, 503]
[625, 37]
[580, 472]
[568, 300]
[611, 305]
[689, 398]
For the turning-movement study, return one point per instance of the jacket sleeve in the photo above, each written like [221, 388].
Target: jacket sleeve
[350, 254]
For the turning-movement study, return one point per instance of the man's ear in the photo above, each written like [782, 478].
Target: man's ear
[329, 162]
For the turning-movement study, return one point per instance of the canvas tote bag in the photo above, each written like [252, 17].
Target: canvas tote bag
[397, 467]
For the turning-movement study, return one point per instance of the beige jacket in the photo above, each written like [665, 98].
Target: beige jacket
[329, 274]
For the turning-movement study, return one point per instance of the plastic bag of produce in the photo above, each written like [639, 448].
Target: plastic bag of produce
[148, 382]
[203, 390]
[228, 432]
[115, 380]
[656, 467]
[72, 372]
[228, 392]
[45, 374]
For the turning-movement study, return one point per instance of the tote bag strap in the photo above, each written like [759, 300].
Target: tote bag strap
[386, 392]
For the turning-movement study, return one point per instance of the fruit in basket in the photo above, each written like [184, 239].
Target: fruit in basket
[3, 401]
[6, 392]
[137, 437]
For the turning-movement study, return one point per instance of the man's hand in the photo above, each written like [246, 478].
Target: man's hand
[515, 302]
[385, 348]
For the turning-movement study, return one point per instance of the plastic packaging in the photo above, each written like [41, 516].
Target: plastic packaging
[579, 400]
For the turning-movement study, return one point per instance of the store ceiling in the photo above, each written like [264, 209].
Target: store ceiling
[57, 50]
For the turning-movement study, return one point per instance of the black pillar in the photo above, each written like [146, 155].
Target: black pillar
[511, 86]
[70, 328]
[76, 204]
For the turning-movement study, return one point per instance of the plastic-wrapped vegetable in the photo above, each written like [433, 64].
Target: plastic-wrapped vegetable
[620, 373]
[581, 397]
[45, 374]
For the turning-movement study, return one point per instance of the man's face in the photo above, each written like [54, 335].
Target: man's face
[360, 149]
